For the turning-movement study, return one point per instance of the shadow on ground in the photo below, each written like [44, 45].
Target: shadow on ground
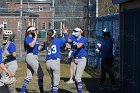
[64, 79]
[64, 91]
[34, 91]
[92, 84]
[27, 91]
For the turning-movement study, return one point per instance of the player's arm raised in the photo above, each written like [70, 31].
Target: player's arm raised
[34, 40]
[65, 32]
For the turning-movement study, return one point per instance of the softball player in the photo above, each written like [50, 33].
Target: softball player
[9, 55]
[79, 52]
[53, 46]
[31, 45]
[1, 62]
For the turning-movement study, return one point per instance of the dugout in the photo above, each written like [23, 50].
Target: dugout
[130, 45]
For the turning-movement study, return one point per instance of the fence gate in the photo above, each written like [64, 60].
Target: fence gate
[130, 51]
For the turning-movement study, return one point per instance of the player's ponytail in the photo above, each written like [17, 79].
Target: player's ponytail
[49, 38]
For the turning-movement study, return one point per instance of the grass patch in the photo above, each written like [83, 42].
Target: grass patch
[92, 71]
[33, 86]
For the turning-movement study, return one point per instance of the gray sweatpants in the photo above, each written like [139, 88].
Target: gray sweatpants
[53, 68]
[12, 67]
[33, 66]
[79, 66]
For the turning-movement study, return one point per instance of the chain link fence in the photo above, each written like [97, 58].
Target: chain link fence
[51, 14]
[56, 15]
[111, 22]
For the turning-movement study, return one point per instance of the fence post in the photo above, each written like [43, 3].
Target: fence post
[20, 50]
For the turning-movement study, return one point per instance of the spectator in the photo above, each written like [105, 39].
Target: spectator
[106, 48]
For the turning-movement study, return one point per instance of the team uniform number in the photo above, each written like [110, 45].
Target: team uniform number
[52, 50]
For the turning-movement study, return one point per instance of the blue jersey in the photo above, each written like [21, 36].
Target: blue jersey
[11, 48]
[33, 50]
[107, 48]
[8, 49]
[0, 55]
[54, 51]
[79, 52]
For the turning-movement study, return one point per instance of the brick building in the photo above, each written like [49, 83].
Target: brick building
[37, 14]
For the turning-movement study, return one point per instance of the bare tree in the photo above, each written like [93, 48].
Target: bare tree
[107, 7]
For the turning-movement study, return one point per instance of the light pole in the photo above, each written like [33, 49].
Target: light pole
[53, 11]
[20, 47]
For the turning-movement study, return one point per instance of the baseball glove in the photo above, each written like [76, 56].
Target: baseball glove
[7, 80]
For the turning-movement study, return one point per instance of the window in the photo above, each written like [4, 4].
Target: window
[30, 8]
[5, 25]
[43, 26]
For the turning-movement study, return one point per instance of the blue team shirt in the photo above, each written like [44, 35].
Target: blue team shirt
[0, 55]
[81, 52]
[107, 48]
[54, 51]
[11, 48]
[33, 50]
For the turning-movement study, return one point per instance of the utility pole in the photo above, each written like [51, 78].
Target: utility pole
[97, 8]
[20, 47]
[91, 26]
[53, 13]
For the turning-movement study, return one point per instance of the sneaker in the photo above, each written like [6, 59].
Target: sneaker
[70, 81]
[100, 88]
[114, 88]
